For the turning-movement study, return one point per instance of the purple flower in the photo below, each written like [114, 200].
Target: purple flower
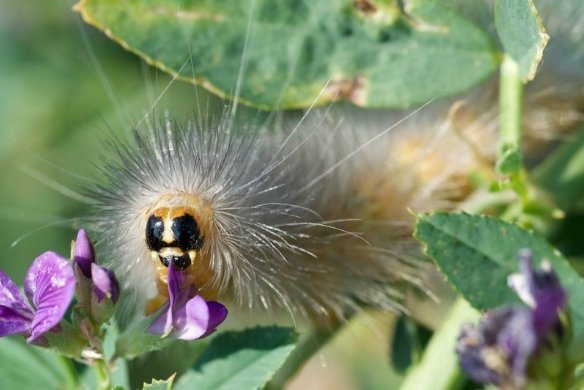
[540, 290]
[101, 281]
[49, 286]
[498, 350]
[184, 317]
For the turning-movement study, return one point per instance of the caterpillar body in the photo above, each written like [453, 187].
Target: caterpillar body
[314, 220]
[286, 221]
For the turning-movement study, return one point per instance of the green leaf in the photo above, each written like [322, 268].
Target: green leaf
[25, 367]
[478, 253]
[402, 346]
[562, 173]
[163, 363]
[136, 340]
[240, 360]
[522, 34]
[290, 50]
[510, 159]
[408, 343]
[159, 384]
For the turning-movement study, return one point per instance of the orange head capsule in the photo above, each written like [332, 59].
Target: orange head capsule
[173, 236]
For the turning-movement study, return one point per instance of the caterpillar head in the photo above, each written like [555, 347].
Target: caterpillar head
[173, 236]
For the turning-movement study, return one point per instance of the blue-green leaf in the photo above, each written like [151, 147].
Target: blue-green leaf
[522, 34]
[373, 53]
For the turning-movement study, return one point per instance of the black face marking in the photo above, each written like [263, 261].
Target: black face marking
[186, 233]
[154, 229]
[172, 236]
[180, 262]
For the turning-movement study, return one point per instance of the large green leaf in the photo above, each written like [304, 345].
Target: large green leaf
[370, 52]
[243, 360]
[522, 34]
[478, 253]
[26, 367]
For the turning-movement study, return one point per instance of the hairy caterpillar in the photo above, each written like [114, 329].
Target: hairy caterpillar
[281, 224]
[314, 220]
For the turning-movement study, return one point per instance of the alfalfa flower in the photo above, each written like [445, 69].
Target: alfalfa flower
[98, 289]
[49, 285]
[500, 349]
[186, 316]
[541, 291]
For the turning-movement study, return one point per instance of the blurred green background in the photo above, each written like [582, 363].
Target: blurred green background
[64, 88]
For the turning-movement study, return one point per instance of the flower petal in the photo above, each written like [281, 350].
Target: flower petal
[162, 325]
[198, 318]
[469, 348]
[497, 351]
[541, 290]
[187, 319]
[10, 296]
[518, 340]
[178, 295]
[83, 253]
[50, 285]
[217, 314]
[105, 283]
[13, 321]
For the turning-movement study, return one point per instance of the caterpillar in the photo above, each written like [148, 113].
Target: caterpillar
[313, 220]
[272, 221]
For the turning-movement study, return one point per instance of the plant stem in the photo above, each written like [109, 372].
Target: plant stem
[510, 98]
[102, 374]
[311, 342]
[70, 371]
[439, 368]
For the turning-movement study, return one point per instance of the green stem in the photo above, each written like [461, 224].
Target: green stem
[439, 368]
[311, 342]
[70, 371]
[103, 376]
[534, 210]
[510, 98]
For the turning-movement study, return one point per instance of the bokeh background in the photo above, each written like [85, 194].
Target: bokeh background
[64, 88]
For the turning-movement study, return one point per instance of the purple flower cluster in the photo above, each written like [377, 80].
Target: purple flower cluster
[50, 284]
[97, 287]
[498, 350]
[52, 281]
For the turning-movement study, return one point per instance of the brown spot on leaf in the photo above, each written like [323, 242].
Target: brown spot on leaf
[347, 88]
[364, 6]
